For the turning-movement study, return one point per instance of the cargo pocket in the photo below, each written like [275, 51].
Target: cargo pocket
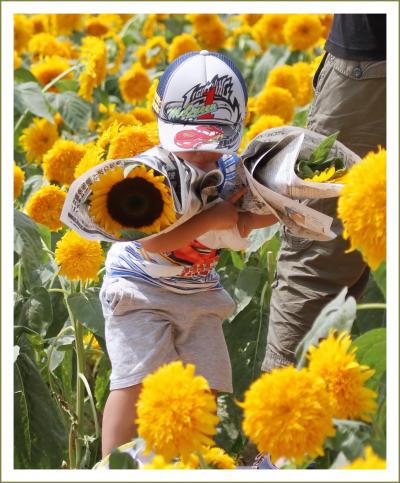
[294, 242]
[117, 297]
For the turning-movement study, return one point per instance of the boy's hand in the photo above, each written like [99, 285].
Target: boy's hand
[222, 215]
[249, 221]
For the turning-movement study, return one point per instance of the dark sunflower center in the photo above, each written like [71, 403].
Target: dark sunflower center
[134, 202]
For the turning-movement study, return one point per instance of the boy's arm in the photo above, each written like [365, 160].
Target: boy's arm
[249, 221]
[220, 216]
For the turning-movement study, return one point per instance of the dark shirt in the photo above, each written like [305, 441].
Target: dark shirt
[358, 37]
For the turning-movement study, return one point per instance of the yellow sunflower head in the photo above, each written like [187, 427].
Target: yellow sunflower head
[302, 31]
[93, 156]
[150, 93]
[38, 138]
[176, 411]
[249, 18]
[214, 457]
[153, 52]
[46, 45]
[336, 364]
[41, 23]
[159, 463]
[211, 30]
[141, 201]
[269, 29]
[143, 115]
[285, 77]
[287, 413]
[326, 20]
[60, 161]
[369, 461]
[45, 206]
[362, 207]
[116, 53]
[23, 30]
[94, 58]
[49, 68]
[134, 84]
[103, 24]
[17, 60]
[66, 23]
[181, 44]
[78, 258]
[132, 140]
[19, 178]
[303, 73]
[276, 101]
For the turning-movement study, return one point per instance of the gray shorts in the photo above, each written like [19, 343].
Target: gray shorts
[350, 97]
[147, 326]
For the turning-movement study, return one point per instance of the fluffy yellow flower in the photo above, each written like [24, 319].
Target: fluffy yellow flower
[115, 62]
[94, 58]
[283, 76]
[276, 101]
[66, 23]
[287, 413]
[90, 340]
[40, 23]
[362, 207]
[132, 140]
[103, 24]
[93, 156]
[213, 457]
[303, 73]
[370, 461]
[134, 84]
[326, 20]
[123, 118]
[181, 44]
[159, 463]
[153, 52]
[269, 29]
[152, 131]
[143, 115]
[150, 94]
[302, 31]
[49, 68]
[45, 206]
[17, 60]
[38, 138]
[45, 44]
[336, 364]
[262, 124]
[78, 258]
[23, 30]
[60, 161]
[209, 28]
[251, 111]
[249, 18]
[176, 411]
[149, 26]
[19, 178]
[323, 176]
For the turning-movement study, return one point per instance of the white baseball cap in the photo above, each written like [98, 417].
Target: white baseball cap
[200, 104]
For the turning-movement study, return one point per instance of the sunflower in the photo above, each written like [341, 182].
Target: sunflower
[302, 31]
[287, 413]
[17, 60]
[364, 214]
[213, 457]
[40, 23]
[344, 377]
[132, 140]
[153, 52]
[38, 138]
[149, 26]
[107, 136]
[369, 461]
[150, 93]
[45, 206]
[326, 20]
[141, 201]
[93, 156]
[19, 178]
[143, 115]
[323, 176]
[251, 111]
[45, 45]
[303, 73]
[276, 101]
[285, 77]
[176, 411]
[103, 24]
[60, 161]
[209, 28]
[23, 30]
[152, 131]
[123, 119]
[66, 23]
[269, 29]
[49, 68]
[94, 58]
[78, 258]
[159, 463]
[90, 340]
[134, 84]
[116, 60]
[249, 18]
[262, 124]
[181, 44]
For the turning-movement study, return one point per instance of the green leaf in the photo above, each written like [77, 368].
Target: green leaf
[67, 85]
[22, 75]
[274, 56]
[338, 314]
[380, 277]
[369, 319]
[321, 152]
[42, 424]
[237, 260]
[371, 351]
[122, 461]
[37, 312]
[102, 383]
[246, 286]
[86, 307]
[300, 118]
[28, 96]
[260, 236]
[75, 111]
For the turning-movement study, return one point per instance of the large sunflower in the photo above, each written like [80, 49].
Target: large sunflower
[285, 77]
[152, 52]
[141, 201]
[302, 31]
[60, 161]
[134, 84]
[38, 138]
[181, 44]
[269, 29]
[23, 29]
[49, 68]
[276, 101]
[176, 411]
[362, 207]
[45, 206]
[132, 140]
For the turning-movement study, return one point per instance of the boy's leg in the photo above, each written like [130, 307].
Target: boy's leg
[119, 418]
[350, 97]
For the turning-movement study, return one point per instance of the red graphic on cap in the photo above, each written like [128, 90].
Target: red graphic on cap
[207, 102]
[192, 138]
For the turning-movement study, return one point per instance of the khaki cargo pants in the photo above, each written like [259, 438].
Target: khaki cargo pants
[350, 97]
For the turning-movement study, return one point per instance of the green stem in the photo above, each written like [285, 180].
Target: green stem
[260, 318]
[20, 120]
[371, 306]
[59, 77]
[92, 405]
[71, 452]
[60, 290]
[20, 282]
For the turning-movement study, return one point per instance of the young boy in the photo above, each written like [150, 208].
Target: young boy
[200, 104]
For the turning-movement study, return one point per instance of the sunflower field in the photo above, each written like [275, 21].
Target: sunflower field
[83, 91]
